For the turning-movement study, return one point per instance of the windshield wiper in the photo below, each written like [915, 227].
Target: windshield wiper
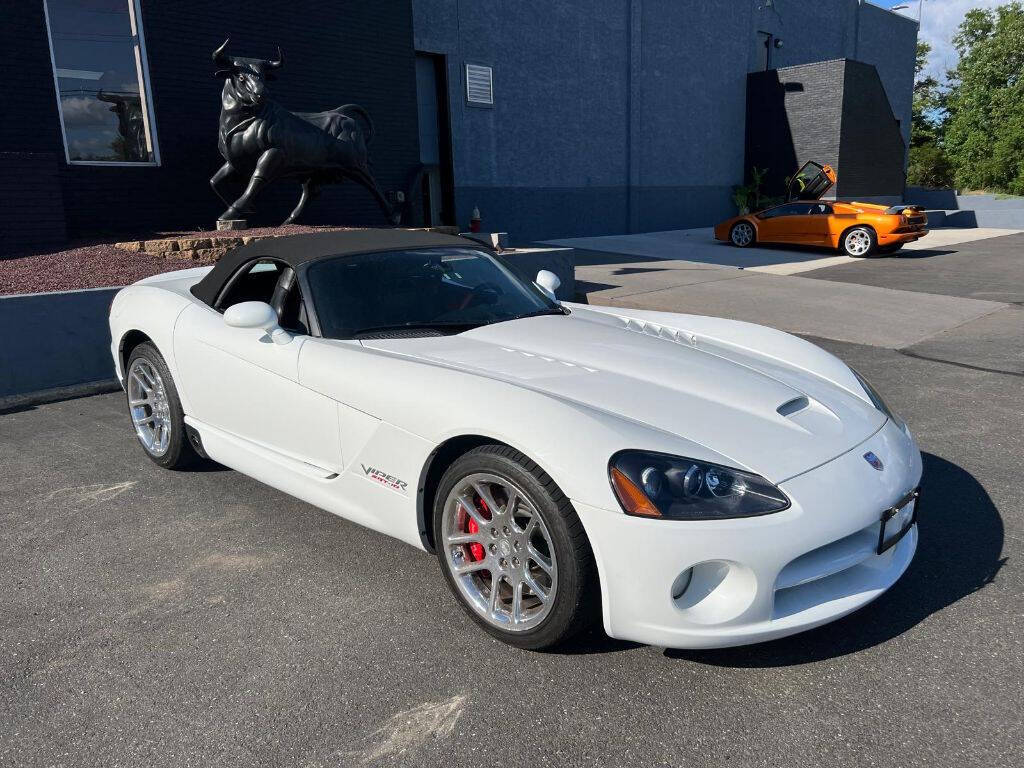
[415, 327]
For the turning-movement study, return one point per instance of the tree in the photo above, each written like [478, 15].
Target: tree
[928, 165]
[923, 127]
[984, 131]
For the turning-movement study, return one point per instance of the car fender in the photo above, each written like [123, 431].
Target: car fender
[152, 311]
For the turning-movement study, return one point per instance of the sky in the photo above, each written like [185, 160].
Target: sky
[940, 21]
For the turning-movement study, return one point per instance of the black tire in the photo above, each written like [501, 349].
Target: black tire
[890, 248]
[576, 602]
[855, 238]
[742, 242]
[179, 453]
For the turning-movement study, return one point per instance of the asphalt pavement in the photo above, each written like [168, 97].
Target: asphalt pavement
[201, 618]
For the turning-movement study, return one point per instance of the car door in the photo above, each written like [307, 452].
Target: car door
[781, 224]
[810, 182]
[240, 381]
[817, 224]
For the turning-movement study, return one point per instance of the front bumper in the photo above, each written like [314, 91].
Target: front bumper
[757, 579]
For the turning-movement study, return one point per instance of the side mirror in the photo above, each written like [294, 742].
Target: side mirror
[548, 282]
[257, 314]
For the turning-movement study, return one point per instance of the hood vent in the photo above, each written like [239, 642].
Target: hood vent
[543, 359]
[658, 331]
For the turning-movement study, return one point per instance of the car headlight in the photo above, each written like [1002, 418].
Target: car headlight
[660, 485]
[877, 401]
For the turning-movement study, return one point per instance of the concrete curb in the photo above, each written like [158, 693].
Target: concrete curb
[30, 399]
[54, 341]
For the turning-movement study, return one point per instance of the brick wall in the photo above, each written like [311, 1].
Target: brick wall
[793, 115]
[335, 53]
[31, 206]
[872, 149]
[834, 112]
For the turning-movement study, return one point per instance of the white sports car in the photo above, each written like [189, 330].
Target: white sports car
[696, 482]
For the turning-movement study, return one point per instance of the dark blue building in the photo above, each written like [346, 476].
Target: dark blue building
[613, 116]
[569, 117]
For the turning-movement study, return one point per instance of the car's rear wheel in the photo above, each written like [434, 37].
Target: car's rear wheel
[858, 242]
[155, 409]
[742, 234]
[513, 549]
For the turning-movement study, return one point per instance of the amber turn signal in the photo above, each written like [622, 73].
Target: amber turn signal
[633, 500]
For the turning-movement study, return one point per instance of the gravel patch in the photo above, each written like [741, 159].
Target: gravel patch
[99, 264]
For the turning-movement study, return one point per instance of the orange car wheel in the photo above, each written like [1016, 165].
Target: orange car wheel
[742, 234]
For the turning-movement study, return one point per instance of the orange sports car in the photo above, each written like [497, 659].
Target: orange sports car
[858, 229]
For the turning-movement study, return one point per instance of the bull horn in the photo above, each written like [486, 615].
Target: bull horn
[219, 58]
[279, 62]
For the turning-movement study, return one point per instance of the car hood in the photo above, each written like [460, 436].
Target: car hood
[755, 413]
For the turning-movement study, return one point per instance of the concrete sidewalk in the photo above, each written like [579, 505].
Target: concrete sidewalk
[934, 303]
[861, 314]
[699, 245]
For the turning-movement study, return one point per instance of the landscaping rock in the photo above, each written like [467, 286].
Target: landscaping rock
[160, 246]
[191, 243]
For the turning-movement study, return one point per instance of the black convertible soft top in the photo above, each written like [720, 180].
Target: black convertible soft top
[294, 250]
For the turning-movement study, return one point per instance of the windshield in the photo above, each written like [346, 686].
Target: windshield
[444, 289]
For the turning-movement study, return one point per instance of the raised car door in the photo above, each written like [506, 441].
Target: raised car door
[243, 382]
[811, 181]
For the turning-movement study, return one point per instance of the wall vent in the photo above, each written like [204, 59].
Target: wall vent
[479, 84]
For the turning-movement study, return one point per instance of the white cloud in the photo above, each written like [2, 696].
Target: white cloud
[941, 19]
[86, 111]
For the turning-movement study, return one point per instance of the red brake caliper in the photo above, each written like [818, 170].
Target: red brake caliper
[476, 551]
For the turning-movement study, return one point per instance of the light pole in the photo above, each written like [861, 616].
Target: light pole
[920, 10]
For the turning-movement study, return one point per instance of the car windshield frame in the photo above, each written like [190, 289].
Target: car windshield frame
[536, 301]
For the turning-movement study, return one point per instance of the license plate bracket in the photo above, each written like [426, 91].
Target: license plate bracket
[914, 497]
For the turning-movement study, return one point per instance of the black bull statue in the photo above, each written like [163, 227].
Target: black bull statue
[261, 140]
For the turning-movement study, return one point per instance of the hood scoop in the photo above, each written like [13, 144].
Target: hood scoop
[795, 405]
[811, 416]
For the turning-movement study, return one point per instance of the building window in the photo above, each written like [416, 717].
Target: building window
[99, 69]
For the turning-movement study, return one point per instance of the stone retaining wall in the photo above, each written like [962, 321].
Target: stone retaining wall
[189, 247]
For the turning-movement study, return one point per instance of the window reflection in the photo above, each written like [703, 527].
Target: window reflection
[101, 80]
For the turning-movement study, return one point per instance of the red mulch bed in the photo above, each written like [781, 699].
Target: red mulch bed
[99, 264]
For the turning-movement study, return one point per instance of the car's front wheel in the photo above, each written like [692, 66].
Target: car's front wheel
[858, 242]
[513, 549]
[155, 409]
[742, 234]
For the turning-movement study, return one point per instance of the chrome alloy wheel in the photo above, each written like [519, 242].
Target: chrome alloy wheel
[742, 234]
[149, 407]
[858, 242]
[499, 552]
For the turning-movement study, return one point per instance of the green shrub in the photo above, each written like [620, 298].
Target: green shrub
[929, 167]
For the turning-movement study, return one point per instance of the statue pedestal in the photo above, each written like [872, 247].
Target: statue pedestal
[224, 224]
